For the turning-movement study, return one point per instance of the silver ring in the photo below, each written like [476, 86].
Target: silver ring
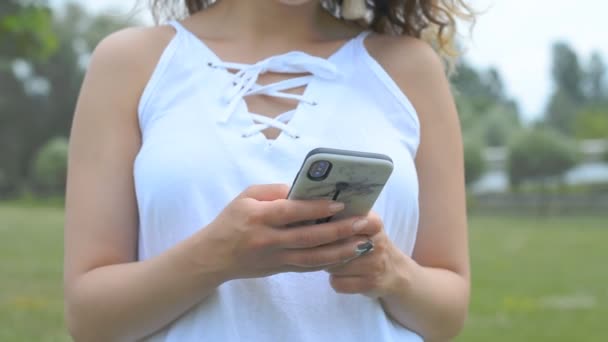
[365, 248]
[362, 249]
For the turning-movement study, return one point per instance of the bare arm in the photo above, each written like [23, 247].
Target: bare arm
[432, 292]
[109, 296]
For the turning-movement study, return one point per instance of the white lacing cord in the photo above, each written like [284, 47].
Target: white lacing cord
[245, 84]
[279, 122]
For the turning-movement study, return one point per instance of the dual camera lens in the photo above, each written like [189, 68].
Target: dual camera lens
[319, 170]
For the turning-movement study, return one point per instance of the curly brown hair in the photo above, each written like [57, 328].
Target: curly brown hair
[434, 21]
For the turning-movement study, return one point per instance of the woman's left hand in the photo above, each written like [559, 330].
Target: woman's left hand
[375, 274]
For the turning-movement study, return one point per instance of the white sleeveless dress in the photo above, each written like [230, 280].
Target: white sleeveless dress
[201, 147]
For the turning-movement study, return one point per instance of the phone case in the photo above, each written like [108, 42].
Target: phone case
[355, 178]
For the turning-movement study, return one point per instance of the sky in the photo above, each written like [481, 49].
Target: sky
[515, 36]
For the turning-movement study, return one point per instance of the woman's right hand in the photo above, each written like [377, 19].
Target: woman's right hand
[249, 238]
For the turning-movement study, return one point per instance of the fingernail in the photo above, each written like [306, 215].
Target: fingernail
[360, 224]
[364, 248]
[336, 207]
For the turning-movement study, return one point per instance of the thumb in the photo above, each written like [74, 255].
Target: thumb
[266, 192]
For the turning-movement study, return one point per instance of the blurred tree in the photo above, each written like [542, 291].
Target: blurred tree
[25, 31]
[591, 119]
[569, 94]
[40, 101]
[50, 167]
[466, 113]
[474, 163]
[481, 89]
[79, 33]
[595, 77]
[592, 123]
[486, 111]
[540, 155]
[13, 102]
[567, 72]
[499, 125]
[561, 112]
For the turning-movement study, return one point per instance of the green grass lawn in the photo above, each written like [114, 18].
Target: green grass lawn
[533, 280]
[31, 253]
[539, 279]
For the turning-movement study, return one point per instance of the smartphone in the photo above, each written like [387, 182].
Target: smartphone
[351, 177]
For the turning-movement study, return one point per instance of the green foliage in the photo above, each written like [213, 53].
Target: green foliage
[474, 163]
[4, 183]
[50, 167]
[561, 112]
[578, 90]
[539, 155]
[499, 125]
[568, 96]
[25, 30]
[481, 84]
[567, 72]
[478, 91]
[466, 113]
[592, 123]
[13, 111]
[595, 77]
[485, 110]
[28, 119]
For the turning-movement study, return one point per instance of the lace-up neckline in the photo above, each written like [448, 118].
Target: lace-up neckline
[244, 83]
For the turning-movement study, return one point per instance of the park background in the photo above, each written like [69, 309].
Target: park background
[532, 93]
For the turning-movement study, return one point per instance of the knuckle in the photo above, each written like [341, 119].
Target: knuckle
[376, 224]
[346, 253]
[330, 232]
[379, 247]
[252, 189]
[261, 242]
[282, 208]
[374, 216]
[255, 214]
[311, 260]
[305, 239]
[239, 206]
[283, 259]
[344, 230]
[280, 239]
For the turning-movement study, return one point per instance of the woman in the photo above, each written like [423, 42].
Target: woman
[176, 191]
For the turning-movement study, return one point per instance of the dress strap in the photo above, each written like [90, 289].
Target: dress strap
[360, 38]
[179, 28]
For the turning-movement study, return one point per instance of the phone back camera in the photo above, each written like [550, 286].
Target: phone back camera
[319, 170]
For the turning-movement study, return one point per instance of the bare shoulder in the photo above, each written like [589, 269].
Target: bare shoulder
[413, 64]
[131, 53]
[135, 43]
[404, 55]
